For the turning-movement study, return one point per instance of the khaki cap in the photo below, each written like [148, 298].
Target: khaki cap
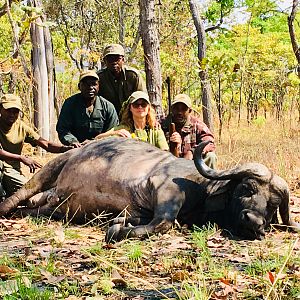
[88, 73]
[114, 49]
[11, 101]
[138, 95]
[182, 98]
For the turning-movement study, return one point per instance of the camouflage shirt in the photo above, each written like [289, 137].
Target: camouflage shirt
[192, 134]
[118, 90]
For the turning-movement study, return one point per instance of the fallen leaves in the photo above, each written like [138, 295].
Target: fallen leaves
[59, 237]
[13, 224]
[179, 275]
[48, 278]
[167, 245]
[61, 254]
[117, 279]
[224, 290]
[5, 271]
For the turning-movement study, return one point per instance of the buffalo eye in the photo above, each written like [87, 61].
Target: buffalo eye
[249, 188]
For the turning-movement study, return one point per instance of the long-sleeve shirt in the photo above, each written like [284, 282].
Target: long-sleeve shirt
[75, 124]
[193, 132]
[118, 90]
[153, 136]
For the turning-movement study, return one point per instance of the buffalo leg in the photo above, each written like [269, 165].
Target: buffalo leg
[118, 232]
[40, 182]
[45, 210]
[134, 221]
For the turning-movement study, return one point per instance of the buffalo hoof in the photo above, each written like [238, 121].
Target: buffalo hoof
[113, 232]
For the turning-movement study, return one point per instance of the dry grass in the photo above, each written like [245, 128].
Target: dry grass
[74, 262]
[274, 144]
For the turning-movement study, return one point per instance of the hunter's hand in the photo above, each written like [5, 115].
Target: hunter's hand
[209, 148]
[122, 132]
[65, 148]
[32, 164]
[175, 138]
[76, 145]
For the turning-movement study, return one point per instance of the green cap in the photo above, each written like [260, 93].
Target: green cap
[88, 73]
[11, 101]
[114, 49]
[182, 98]
[138, 95]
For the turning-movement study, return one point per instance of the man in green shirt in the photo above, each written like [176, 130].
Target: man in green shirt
[85, 115]
[118, 81]
[13, 133]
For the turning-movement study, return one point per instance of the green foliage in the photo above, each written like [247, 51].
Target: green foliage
[259, 121]
[197, 291]
[96, 249]
[218, 8]
[199, 237]
[135, 253]
[260, 267]
[275, 22]
[262, 50]
[6, 38]
[23, 292]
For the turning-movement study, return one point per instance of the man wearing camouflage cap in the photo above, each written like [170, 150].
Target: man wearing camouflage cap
[190, 131]
[13, 133]
[85, 115]
[118, 81]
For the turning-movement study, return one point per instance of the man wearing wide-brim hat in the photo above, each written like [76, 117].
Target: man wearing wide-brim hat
[86, 114]
[13, 133]
[118, 81]
[190, 130]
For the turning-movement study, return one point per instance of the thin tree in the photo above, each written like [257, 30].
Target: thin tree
[150, 41]
[291, 19]
[43, 76]
[203, 74]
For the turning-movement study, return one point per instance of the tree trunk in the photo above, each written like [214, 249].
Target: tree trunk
[150, 43]
[43, 78]
[121, 22]
[291, 19]
[205, 85]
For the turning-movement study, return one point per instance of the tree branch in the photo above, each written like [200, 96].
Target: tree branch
[291, 19]
[218, 25]
[16, 40]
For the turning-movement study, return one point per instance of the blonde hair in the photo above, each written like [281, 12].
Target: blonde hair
[127, 118]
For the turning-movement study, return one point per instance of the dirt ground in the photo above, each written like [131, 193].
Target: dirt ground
[75, 263]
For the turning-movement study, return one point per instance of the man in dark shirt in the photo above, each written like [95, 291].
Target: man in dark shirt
[84, 115]
[118, 81]
[190, 131]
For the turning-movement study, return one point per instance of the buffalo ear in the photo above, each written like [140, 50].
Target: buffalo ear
[280, 187]
[217, 200]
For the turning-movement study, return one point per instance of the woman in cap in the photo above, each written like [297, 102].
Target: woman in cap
[138, 121]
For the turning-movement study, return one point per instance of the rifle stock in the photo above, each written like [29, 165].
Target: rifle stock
[173, 146]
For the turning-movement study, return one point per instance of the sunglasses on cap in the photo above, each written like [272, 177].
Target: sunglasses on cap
[139, 103]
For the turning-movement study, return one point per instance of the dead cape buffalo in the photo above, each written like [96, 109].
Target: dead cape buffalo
[148, 189]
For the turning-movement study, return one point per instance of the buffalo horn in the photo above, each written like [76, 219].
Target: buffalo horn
[254, 170]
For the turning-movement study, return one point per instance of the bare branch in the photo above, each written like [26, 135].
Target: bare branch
[66, 38]
[3, 10]
[16, 40]
[218, 25]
